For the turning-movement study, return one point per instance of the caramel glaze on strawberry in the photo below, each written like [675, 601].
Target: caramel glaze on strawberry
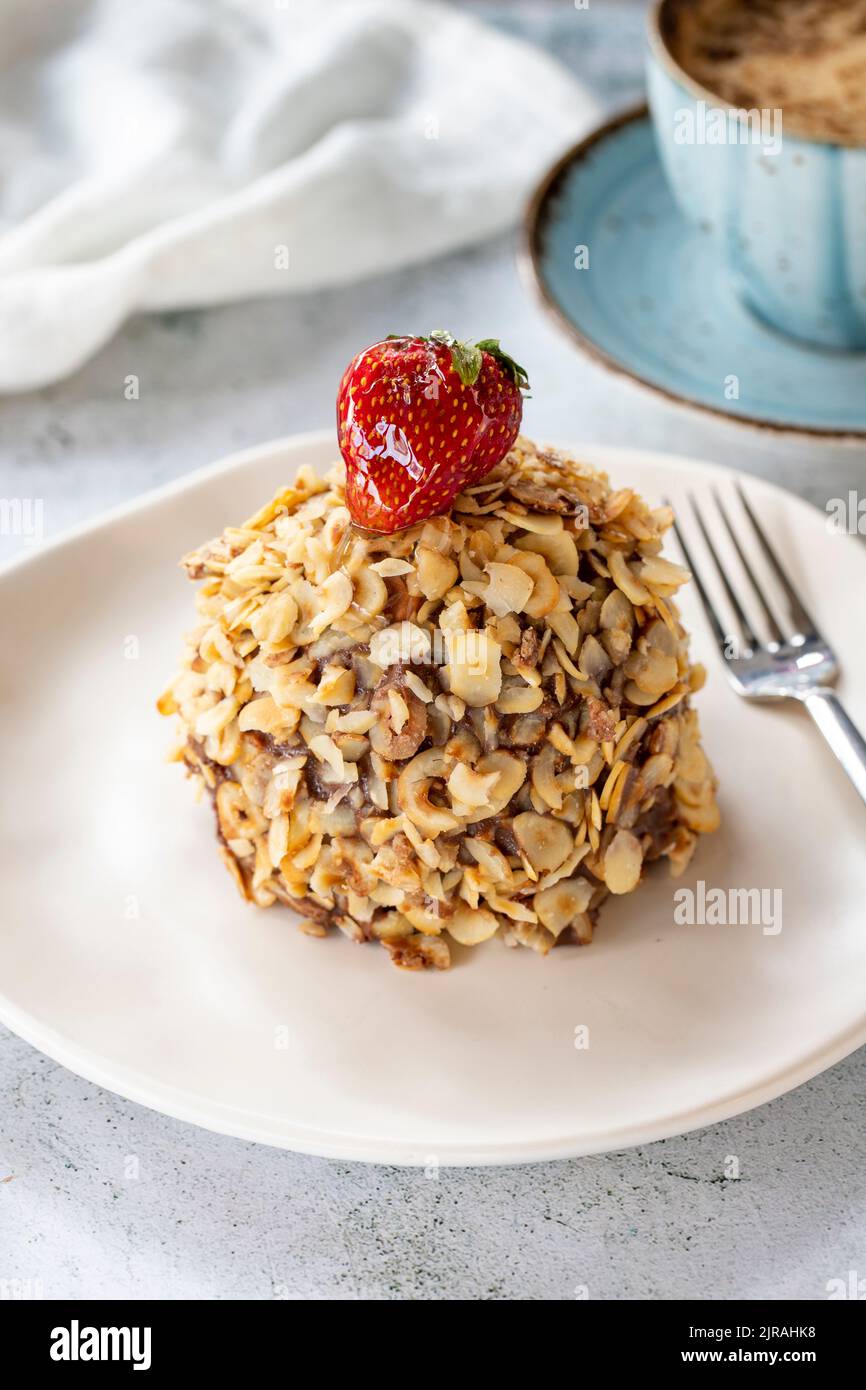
[421, 419]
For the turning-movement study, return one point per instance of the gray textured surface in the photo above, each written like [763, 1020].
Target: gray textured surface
[214, 1217]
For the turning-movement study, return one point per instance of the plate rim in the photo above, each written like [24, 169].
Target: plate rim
[239, 1124]
[185, 1106]
[529, 258]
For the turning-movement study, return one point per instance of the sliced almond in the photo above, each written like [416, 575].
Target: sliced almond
[514, 908]
[520, 699]
[557, 907]
[413, 786]
[508, 589]
[545, 589]
[558, 549]
[704, 819]
[352, 746]
[663, 574]
[657, 771]
[511, 774]
[539, 523]
[544, 778]
[469, 926]
[544, 841]
[562, 622]
[238, 818]
[658, 636]
[491, 860]
[275, 619]
[369, 592]
[630, 738]
[623, 862]
[617, 612]
[418, 688]
[436, 572]
[424, 920]
[335, 596]
[323, 747]
[469, 787]
[391, 566]
[625, 580]
[653, 672]
[215, 719]
[399, 711]
[263, 715]
[633, 692]
[336, 685]
[594, 662]
[358, 721]
[617, 502]
[474, 666]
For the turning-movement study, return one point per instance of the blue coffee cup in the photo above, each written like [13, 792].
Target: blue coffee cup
[788, 214]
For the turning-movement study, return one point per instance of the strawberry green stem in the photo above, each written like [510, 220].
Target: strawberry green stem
[468, 358]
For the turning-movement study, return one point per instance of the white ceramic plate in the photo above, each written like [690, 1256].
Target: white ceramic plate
[128, 956]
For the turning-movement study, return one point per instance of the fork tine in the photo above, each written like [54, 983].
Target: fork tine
[801, 618]
[772, 626]
[712, 616]
[749, 637]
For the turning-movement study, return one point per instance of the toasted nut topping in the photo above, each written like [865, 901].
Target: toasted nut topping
[594, 662]
[545, 589]
[508, 590]
[469, 926]
[275, 619]
[417, 686]
[404, 642]
[369, 593]
[337, 595]
[401, 721]
[471, 788]
[414, 786]
[399, 711]
[511, 774]
[474, 669]
[478, 726]
[544, 779]
[625, 580]
[623, 862]
[262, 714]
[326, 750]
[418, 952]
[336, 686]
[211, 721]
[238, 818]
[559, 550]
[558, 907]
[520, 699]
[616, 612]
[663, 574]
[544, 841]
[492, 860]
[389, 568]
[546, 524]
[436, 572]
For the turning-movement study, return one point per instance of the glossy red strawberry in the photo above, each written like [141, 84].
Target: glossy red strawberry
[419, 419]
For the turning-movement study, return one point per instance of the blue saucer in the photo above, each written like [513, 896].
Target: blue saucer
[656, 302]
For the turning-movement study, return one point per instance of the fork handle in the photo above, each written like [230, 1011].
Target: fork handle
[842, 735]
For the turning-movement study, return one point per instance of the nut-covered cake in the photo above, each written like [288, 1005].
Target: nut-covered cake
[477, 724]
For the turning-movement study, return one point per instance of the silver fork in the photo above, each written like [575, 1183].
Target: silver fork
[801, 666]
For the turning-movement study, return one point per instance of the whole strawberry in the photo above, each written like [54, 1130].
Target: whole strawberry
[419, 420]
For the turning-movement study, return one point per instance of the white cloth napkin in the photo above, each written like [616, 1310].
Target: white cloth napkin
[160, 154]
